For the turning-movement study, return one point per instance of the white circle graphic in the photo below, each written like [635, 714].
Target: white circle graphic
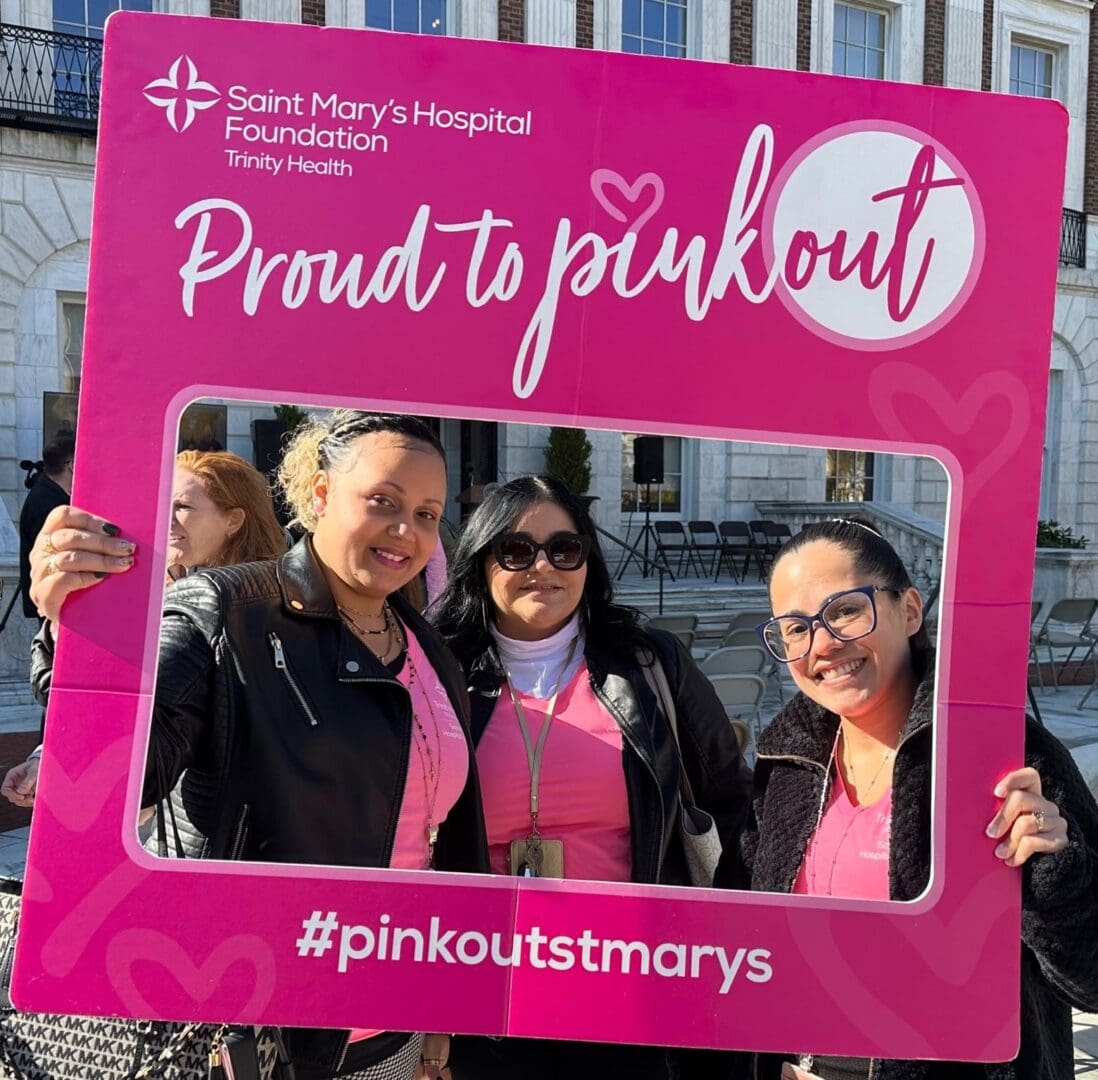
[878, 235]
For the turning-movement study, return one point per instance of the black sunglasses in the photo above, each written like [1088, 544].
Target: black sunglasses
[519, 551]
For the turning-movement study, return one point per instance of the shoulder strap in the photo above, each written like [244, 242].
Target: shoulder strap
[656, 678]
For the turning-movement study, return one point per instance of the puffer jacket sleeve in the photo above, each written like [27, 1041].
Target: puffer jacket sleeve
[1060, 890]
[184, 708]
[719, 776]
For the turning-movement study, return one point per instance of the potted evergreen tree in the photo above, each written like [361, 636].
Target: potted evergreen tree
[568, 458]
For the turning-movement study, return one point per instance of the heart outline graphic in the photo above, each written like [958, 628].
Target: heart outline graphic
[951, 952]
[199, 982]
[77, 803]
[70, 937]
[889, 381]
[604, 178]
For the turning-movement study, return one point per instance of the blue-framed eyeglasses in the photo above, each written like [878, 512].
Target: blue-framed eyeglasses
[846, 616]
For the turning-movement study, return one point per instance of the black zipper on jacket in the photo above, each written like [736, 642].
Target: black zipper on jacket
[284, 667]
[237, 846]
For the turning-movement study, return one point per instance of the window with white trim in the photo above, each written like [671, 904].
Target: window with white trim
[72, 345]
[654, 27]
[1050, 451]
[860, 42]
[87, 17]
[849, 476]
[1032, 70]
[410, 16]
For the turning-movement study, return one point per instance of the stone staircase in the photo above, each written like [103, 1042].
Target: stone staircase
[713, 602]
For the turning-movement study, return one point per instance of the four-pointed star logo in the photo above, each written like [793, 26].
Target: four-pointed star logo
[190, 98]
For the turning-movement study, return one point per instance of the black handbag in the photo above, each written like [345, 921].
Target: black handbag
[45, 1046]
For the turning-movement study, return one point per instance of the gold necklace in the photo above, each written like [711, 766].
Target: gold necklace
[862, 800]
[383, 615]
[394, 643]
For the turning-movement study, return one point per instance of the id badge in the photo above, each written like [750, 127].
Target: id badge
[544, 859]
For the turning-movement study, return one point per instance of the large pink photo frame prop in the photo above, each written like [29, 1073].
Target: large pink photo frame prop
[537, 235]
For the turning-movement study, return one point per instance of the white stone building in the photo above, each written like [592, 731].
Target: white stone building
[47, 148]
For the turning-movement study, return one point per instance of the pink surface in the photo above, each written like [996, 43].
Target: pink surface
[618, 279]
[581, 786]
[438, 765]
[848, 853]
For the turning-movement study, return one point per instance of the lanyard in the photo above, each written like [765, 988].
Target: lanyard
[534, 753]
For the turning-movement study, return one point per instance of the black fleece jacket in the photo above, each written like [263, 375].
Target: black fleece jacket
[1059, 944]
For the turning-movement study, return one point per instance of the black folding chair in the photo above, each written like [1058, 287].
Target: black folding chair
[671, 539]
[1067, 626]
[735, 541]
[777, 534]
[705, 538]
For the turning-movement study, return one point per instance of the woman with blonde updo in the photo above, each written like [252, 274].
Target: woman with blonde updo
[334, 683]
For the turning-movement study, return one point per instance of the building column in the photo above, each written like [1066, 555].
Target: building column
[964, 30]
[776, 32]
[551, 22]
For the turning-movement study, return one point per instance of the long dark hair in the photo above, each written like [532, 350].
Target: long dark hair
[875, 558]
[462, 613]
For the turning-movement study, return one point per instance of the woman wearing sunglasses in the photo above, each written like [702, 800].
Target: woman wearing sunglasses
[578, 765]
[843, 785]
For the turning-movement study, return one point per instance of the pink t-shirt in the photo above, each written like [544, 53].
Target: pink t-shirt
[848, 854]
[446, 741]
[441, 739]
[581, 789]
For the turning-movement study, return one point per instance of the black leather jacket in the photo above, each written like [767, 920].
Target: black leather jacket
[291, 739]
[720, 779]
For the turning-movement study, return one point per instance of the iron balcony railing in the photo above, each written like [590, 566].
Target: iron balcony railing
[49, 81]
[1073, 238]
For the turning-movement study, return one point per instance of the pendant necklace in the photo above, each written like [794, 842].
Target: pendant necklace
[430, 759]
[392, 628]
[858, 811]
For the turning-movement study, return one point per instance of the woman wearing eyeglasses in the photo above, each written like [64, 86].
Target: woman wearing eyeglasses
[842, 793]
[578, 766]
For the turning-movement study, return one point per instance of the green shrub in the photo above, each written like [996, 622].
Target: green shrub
[1051, 534]
[291, 416]
[568, 458]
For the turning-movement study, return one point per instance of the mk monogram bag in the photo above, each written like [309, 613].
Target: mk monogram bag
[42, 1046]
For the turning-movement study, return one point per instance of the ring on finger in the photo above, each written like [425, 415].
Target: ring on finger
[1039, 818]
[47, 544]
[51, 566]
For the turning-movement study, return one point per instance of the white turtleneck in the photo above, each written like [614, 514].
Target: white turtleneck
[534, 667]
